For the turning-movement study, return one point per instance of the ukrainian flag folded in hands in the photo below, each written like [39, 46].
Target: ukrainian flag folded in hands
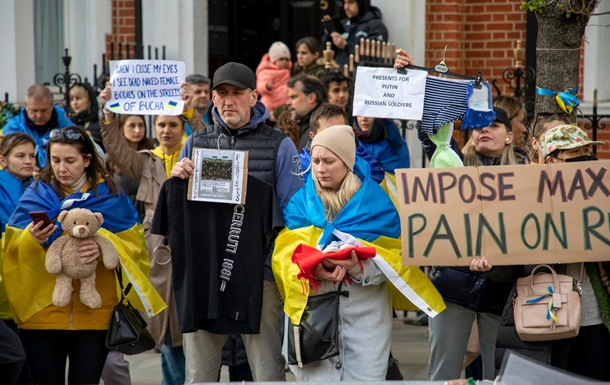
[368, 219]
[28, 284]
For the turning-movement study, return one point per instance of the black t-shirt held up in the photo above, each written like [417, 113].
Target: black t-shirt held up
[218, 255]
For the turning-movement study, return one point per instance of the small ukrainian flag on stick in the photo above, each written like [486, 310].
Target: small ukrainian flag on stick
[172, 105]
[115, 107]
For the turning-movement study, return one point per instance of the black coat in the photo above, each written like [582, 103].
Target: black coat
[88, 120]
[470, 289]
[367, 25]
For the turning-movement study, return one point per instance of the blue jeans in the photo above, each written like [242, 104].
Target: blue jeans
[172, 362]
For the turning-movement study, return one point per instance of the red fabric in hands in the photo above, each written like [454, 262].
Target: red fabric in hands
[307, 258]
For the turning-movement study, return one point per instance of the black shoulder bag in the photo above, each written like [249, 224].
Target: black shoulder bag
[127, 332]
[316, 337]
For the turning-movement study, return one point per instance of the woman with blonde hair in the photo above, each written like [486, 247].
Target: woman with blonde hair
[588, 353]
[516, 114]
[341, 207]
[470, 295]
[493, 145]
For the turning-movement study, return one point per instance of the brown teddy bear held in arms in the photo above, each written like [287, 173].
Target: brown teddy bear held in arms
[63, 258]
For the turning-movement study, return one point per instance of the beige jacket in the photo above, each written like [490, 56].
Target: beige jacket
[150, 171]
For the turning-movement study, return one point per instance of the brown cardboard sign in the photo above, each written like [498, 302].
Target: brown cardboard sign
[513, 215]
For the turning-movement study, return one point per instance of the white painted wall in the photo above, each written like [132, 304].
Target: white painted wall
[17, 68]
[597, 57]
[181, 26]
[406, 23]
[86, 25]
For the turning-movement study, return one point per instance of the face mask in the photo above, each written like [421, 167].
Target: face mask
[582, 158]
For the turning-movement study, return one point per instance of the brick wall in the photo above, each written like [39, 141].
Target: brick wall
[123, 25]
[481, 36]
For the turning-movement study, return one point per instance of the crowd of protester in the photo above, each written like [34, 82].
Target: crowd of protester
[317, 176]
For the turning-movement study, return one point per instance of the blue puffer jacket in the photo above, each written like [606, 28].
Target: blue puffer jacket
[385, 144]
[19, 124]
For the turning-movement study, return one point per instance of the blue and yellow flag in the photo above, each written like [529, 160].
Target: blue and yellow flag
[11, 190]
[29, 286]
[368, 219]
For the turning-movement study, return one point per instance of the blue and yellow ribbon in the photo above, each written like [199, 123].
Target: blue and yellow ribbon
[550, 314]
[566, 100]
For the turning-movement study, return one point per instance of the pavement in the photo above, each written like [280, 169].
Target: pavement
[409, 347]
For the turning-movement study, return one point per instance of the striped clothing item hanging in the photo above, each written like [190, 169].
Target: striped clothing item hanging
[444, 101]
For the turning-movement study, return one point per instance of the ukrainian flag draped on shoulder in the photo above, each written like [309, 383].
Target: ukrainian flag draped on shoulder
[29, 286]
[368, 219]
[11, 190]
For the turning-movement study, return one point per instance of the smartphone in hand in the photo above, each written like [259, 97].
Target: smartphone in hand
[41, 216]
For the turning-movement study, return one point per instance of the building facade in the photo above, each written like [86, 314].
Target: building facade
[480, 35]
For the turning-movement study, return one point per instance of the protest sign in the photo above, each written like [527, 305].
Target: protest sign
[513, 215]
[146, 87]
[219, 176]
[385, 93]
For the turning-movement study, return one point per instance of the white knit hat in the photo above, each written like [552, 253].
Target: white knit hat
[278, 50]
[340, 140]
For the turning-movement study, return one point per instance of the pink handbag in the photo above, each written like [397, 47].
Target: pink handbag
[547, 307]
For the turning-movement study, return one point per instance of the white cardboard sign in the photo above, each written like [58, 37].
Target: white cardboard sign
[146, 87]
[384, 93]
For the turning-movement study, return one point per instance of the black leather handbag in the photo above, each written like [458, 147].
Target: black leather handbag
[127, 332]
[316, 337]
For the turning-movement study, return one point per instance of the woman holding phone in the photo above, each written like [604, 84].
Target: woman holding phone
[150, 168]
[74, 177]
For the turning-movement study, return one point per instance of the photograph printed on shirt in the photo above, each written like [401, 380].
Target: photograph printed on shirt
[219, 176]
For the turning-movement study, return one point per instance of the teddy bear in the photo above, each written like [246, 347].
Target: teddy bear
[63, 257]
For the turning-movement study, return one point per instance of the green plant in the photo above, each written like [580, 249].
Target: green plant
[7, 111]
[534, 5]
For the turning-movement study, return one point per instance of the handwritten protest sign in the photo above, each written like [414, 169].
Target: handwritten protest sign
[384, 93]
[146, 87]
[513, 215]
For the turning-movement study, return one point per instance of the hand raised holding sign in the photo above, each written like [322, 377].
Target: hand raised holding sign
[187, 96]
[403, 58]
[480, 264]
[105, 96]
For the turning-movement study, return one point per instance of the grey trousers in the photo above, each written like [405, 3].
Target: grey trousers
[203, 350]
[449, 333]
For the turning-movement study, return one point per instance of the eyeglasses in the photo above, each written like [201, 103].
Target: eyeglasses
[70, 134]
